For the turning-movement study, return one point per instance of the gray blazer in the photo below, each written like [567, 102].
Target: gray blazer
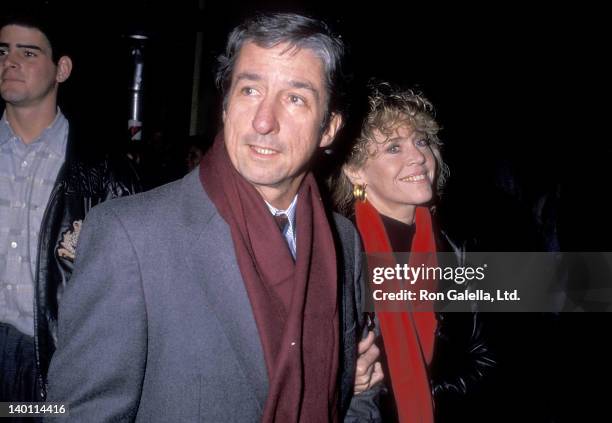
[156, 324]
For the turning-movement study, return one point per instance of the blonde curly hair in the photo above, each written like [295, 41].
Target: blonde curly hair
[389, 107]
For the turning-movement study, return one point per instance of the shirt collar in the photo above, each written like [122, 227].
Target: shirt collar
[55, 133]
[6, 133]
[289, 212]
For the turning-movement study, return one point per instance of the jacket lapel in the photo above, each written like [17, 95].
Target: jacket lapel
[212, 259]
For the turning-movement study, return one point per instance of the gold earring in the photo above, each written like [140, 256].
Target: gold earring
[359, 192]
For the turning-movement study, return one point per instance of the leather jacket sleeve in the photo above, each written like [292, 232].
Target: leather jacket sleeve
[462, 357]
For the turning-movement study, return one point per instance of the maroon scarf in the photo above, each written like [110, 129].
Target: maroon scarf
[294, 303]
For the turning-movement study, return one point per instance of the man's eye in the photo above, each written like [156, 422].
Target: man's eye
[29, 53]
[3, 52]
[248, 91]
[295, 99]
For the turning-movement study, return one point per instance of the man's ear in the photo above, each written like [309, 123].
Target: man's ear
[64, 68]
[334, 125]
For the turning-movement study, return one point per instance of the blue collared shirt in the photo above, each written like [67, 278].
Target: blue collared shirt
[27, 175]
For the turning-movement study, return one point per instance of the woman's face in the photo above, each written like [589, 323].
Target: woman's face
[400, 174]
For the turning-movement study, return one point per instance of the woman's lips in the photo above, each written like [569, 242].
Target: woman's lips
[414, 178]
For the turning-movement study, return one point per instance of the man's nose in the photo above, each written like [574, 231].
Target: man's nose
[9, 60]
[265, 120]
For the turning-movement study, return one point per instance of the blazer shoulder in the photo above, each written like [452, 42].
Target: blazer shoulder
[179, 201]
[142, 203]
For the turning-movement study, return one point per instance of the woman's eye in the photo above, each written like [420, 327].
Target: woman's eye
[393, 149]
[422, 142]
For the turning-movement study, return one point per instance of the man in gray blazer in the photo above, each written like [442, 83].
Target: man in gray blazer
[230, 295]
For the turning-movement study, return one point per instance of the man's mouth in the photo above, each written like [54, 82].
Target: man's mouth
[9, 79]
[263, 151]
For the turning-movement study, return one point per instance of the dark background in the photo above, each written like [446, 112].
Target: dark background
[519, 92]
[515, 87]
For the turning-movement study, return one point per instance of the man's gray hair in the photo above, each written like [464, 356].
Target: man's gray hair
[270, 30]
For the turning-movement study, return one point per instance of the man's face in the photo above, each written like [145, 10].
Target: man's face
[272, 122]
[28, 75]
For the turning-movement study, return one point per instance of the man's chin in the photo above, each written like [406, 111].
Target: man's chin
[258, 175]
[11, 97]
[266, 183]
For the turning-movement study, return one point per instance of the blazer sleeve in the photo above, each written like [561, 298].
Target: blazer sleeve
[364, 407]
[98, 367]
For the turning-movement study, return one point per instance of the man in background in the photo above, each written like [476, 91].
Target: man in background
[47, 185]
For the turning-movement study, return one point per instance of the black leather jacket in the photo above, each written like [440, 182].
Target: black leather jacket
[86, 178]
[462, 357]
[460, 365]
